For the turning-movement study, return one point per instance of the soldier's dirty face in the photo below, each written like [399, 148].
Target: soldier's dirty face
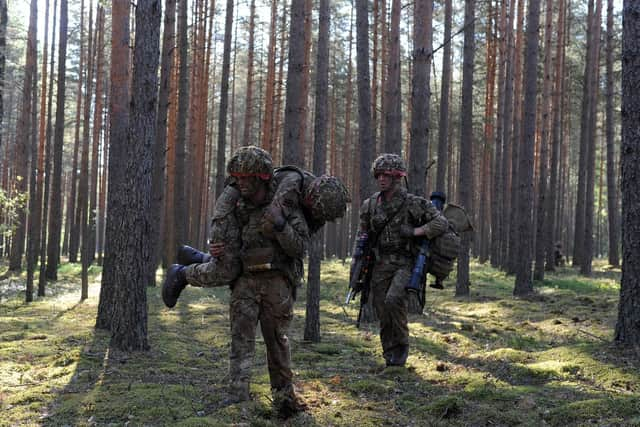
[387, 182]
[248, 185]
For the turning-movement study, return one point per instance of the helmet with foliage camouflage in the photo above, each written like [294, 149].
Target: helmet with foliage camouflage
[327, 198]
[390, 164]
[251, 161]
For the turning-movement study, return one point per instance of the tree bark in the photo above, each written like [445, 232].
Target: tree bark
[129, 331]
[55, 219]
[312, 318]
[543, 234]
[119, 123]
[523, 282]
[627, 331]
[393, 104]
[465, 180]
[295, 108]
[443, 125]
[613, 213]
[160, 146]
[224, 99]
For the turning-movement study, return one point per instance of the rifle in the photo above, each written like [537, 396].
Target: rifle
[360, 277]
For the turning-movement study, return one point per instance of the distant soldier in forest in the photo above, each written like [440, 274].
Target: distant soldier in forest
[558, 256]
[389, 221]
[257, 244]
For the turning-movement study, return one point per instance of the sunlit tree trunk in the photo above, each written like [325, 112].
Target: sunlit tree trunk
[129, 329]
[55, 218]
[119, 123]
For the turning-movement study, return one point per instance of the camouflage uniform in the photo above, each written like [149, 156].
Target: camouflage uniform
[395, 254]
[321, 199]
[267, 264]
[272, 268]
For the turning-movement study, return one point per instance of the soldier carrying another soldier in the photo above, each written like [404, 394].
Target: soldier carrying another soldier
[257, 244]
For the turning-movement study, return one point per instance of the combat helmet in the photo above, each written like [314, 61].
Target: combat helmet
[326, 198]
[251, 161]
[390, 164]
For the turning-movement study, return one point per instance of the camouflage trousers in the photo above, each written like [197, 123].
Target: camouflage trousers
[267, 298]
[390, 300]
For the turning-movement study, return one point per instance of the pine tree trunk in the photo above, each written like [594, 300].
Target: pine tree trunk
[160, 145]
[118, 149]
[587, 254]
[393, 109]
[312, 315]
[23, 131]
[268, 118]
[181, 216]
[543, 235]
[628, 326]
[465, 181]
[443, 125]
[612, 188]
[366, 142]
[224, 99]
[55, 222]
[32, 141]
[295, 108]
[129, 331]
[523, 282]
[42, 279]
[556, 141]
[579, 233]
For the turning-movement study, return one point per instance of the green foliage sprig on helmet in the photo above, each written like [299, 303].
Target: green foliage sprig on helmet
[389, 164]
[251, 161]
[327, 197]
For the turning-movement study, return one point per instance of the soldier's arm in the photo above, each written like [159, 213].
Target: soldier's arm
[429, 220]
[293, 237]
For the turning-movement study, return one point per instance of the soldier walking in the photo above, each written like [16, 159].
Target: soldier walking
[389, 220]
[267, 254]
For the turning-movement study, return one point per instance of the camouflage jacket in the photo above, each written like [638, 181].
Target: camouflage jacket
[249, 245]
[385, 219]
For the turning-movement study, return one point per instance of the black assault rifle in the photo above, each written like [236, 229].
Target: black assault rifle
[360, 277]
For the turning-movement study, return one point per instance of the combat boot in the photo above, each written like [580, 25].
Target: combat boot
[188, 255]
[174, 283]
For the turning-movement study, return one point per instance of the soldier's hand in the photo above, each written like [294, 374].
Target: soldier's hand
[275, 216]
[407, 231]
[216, 249]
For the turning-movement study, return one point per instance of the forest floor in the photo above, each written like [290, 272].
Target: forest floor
[486, 360]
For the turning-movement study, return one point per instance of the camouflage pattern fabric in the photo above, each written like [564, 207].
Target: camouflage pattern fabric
[265, 294]
[322, 198]
[395, 255]
[388, 163]
[328, 198]
[224, 228]
[250, 160]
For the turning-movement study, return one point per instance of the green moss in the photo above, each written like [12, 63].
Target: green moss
[615, 410]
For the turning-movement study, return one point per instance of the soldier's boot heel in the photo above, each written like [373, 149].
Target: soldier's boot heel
[188, 255]
[174, 282]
